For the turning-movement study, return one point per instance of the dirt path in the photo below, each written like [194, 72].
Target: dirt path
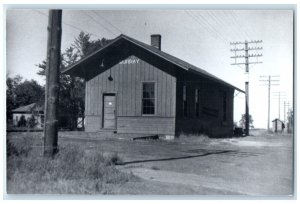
[255, 167]
[190, 180]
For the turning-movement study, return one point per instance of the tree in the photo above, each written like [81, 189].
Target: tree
[21, 93]
[72, 89]
[243, 121]
[22, 122]
[11, 84]
[31, 121]
[29, 92]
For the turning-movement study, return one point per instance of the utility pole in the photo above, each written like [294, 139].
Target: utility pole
[279, 96]
[249, 53]
[285, 104]
[269, 81]
[52, 83]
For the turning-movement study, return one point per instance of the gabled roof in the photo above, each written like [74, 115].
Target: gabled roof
[174, 60]
[28, 109]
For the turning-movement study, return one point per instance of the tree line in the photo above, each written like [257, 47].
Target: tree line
[72, 89]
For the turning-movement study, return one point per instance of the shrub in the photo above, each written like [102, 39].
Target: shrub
[32, 121]
[22, 122]
[115, 159]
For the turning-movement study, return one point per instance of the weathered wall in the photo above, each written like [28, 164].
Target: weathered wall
[210, 119]
[128, 76]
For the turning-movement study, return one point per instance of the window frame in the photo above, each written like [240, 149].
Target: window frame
[197, 102]
[184, 101]
[155, 98]
[224, 106]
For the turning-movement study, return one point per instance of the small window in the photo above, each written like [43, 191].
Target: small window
[224, 106]
[148, 100]
[197, 102]
[184, 101]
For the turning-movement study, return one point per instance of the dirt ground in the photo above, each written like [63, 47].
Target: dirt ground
[259, 165]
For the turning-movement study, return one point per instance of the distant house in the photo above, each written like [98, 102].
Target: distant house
[27, 112]
[132, 87]
[277, 125]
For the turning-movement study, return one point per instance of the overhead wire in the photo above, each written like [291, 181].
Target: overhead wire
[238, 24]
[204, 27]
[201, 24]
[67, 24]
[108, 22]
[203, 19]
[93, 19]
[233, 29]
[218, 22]
[239, 33]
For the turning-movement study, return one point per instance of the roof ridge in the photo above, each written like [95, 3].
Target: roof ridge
[175, 60]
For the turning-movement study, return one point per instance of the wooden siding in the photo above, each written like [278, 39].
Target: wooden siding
[210, 119]
[92, 123]
[127, 85]
[149, 125]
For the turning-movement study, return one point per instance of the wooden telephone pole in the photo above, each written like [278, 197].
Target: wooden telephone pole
[286, 104]
[52, 83]
[280, 95]
[268, 81]
[248, 53]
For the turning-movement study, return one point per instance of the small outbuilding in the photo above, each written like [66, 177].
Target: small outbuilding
[132, 87]
[33, 112]
[278, 125]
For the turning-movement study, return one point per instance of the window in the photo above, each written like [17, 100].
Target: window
[197, 102]
[184, 101]
[148, 100]
[224, 106]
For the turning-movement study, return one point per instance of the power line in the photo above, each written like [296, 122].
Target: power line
[234, 27]
[99, 23]
[107, 21]
[220, 22]
[238, 24]
[201, 24]
[201, 21]
[68, 24]
[212, 27]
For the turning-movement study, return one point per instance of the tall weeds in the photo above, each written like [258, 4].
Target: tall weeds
[72, 170]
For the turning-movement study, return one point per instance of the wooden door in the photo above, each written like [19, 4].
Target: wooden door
[109, 111]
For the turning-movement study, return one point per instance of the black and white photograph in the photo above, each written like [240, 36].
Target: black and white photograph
[150, 101]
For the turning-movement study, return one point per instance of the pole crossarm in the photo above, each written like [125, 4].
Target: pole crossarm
[237, 49]
[249, 42]
[243, 49]
[243, 56]
[245, 63]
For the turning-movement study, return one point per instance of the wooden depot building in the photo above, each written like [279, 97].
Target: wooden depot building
[132, 87]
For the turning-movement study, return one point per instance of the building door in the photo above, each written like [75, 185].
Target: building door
[109, 111]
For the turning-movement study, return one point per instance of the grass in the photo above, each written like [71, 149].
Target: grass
[72, 171]
[263, 169]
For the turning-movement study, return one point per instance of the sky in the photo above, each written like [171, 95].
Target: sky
[200, 37]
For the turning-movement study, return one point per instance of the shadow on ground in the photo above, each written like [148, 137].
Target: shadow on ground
[228, 152]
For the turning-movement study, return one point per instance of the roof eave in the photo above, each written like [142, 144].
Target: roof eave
[149, 50]
[67, 69]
